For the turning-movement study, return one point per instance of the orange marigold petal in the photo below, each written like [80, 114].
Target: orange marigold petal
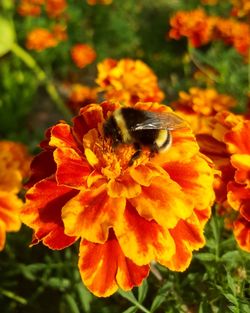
[72, 169]
[196, 179]
[104, 268]
[125, 187]
[188, 236]
[42, 166]
[42, 212]
[2, 235]
[164, 201]
[143, 174]
[91, 213]
[242, 163]
[242, 233]
[61, 137]
[238, 197]
[10, 206]
[237, 140]
[141, 240]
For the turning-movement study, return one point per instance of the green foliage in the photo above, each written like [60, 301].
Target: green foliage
[39, 280]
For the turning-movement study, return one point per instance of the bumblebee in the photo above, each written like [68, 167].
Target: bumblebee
[142, 129]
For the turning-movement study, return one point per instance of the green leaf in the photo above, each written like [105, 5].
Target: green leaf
[231, 298]
[72, 305]
[231, 256]
[142, 291]
[231, 283]
[7, 37]
[132, 309]
[205, 257]
[85, 297]
[158, 300]
[127, 295]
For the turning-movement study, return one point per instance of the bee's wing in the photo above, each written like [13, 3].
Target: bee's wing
[164, 120]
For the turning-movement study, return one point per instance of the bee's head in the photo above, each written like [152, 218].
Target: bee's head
[111, 130]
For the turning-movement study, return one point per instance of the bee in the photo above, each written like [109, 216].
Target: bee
[142, 129]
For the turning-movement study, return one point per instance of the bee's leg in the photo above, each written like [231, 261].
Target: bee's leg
[153, 150]
[136, 154]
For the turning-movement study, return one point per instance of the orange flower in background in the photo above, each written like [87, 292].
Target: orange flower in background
[40, 39]
[14, 166]
[55, 8]
[195, 25]
[234, 33]
[80, 96]
[82, 55]
[59, 32]
[30, 7]
[126, 216]
[238, 145]
[93, 2]
[228, 147]
[241, 8]
[200, 29]
[128, 81]
[198, 105]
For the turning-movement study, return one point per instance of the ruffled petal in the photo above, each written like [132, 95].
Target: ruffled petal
[91, 213]
[104, 268]
[196, 179]
[164, 201]
[237, 139]
[42, 166]
[61, 137]
[242, 163]
[72, 169]
[124, 186]
[2, 235]
[241, 229]
[239, 198]
[10, 206]
[42, 212]
[143, 174]
[188, 236]
[141, 240]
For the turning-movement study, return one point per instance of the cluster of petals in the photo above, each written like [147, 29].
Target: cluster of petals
[14, 166]
[196, 105]
[81, 95]
[201, 29]
[228, 146]
[53, 8]
[195, 25]
[40, 39]
[94, 2]
[241, 8]
[126, 216]
[82, 55]
[128, 81]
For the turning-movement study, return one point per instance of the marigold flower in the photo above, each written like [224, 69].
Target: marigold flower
[40, 39]
[126, 216]
[128, 81]
[30, 7]
[234, 33]
[228, 146]
[195, 25]
[241, 8]
[59, 32]
[14, 166]
[80, 96]
[55, 8]
[93, 2]
[82, 55]
[199, 104]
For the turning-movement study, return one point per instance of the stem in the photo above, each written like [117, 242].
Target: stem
[134, 301]
[42, 78]
[200, 66]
